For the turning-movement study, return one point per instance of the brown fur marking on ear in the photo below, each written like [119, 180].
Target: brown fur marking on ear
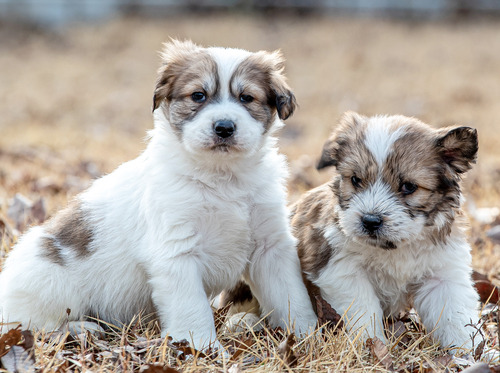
[286, 103]
[175, 55]
[345, 134]
[67, 229]
[458, 147]
[186, 69]
[413, 158]
[269, 68]
[253, 77]
[328, 157]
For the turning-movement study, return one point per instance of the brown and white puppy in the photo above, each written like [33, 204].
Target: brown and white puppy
[203, 205]
[388, 232]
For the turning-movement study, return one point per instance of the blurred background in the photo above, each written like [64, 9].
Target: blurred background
[77, 76]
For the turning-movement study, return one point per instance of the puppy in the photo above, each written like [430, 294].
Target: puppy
[203, 205]
[388, 232]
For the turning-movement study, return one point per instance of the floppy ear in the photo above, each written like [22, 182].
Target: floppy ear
[174, 53]
[282, 96]
[458, 147]
[328, 157]
[332, 150]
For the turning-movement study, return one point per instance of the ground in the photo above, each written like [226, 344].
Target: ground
[76, 102]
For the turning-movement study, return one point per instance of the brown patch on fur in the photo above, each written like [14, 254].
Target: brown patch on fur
[313, 213]
[458, 147]
[417, 157]
[346, 150]
[186, 69]
[50, 250]
[240, 293]
[431, 159]
[68, 229]
[347, 131]
[261, 76]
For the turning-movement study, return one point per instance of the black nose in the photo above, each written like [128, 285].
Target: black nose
[371, 222]
[224, 128]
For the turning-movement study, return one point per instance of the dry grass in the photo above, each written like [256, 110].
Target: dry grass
[77, 103]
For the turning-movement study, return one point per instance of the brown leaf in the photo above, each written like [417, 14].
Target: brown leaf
[286, 353]
[380, 353]
[397, 330]
[157, 368]
[16, 351]
[184, 349]
[478, 352]
[28, 340]
[488, 292]
[495, 369]
[242, 346]
[17, 359]
[327, 316]
[9, 339]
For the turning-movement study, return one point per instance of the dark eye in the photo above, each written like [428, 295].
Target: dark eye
[408, 188]
[198, 97]
[246, 98]
[356, 181]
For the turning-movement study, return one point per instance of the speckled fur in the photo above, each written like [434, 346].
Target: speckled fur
[420, 256]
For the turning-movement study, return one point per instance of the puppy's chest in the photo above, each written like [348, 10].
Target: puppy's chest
[224, 230]
[396, 275]
[225, 242]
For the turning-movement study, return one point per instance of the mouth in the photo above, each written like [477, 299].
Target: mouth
[224, 145]
[224, 148]
[380, 242]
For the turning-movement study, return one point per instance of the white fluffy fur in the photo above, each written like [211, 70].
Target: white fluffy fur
[367, 283]
[172, 228]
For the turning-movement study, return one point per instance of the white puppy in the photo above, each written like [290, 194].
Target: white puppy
[203, 205]
[388, 231]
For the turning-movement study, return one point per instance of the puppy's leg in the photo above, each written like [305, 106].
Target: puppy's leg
[446, 303]
[182, 304]
[348, 290]
[275, 280]
[274, 273]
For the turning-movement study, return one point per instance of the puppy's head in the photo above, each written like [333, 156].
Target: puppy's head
[398, 179]
[220, 100]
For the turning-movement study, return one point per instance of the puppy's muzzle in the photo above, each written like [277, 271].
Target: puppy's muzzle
[371, 222]
[224, 128]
